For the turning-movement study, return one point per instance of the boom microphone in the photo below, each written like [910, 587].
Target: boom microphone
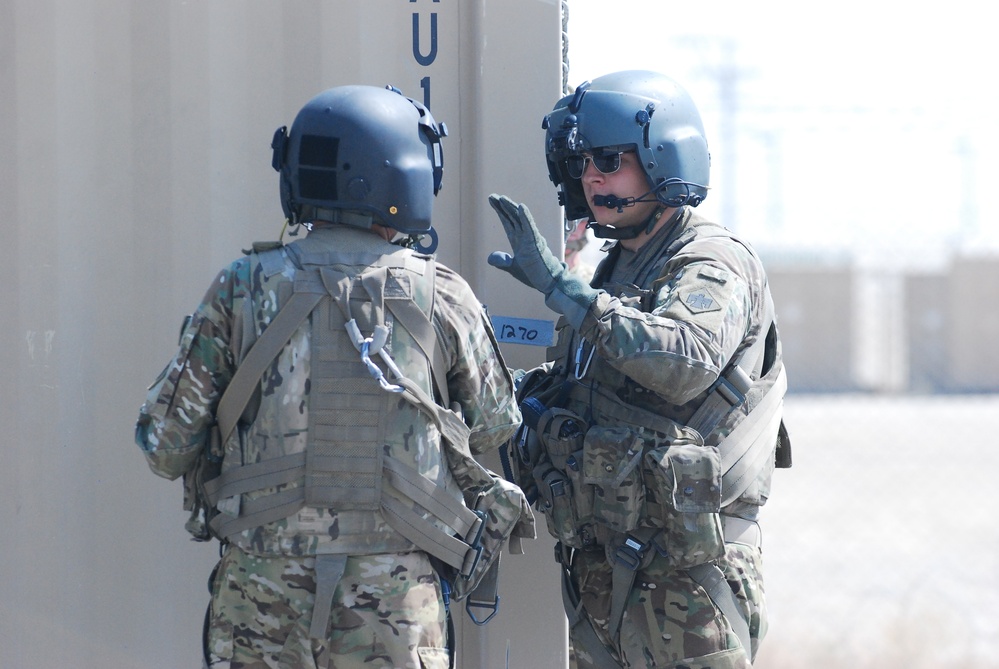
[613, 202]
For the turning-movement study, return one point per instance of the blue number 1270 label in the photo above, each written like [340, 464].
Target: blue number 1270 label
[530, 331]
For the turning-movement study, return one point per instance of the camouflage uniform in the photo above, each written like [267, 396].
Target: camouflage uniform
[388, 609]
[665, 323]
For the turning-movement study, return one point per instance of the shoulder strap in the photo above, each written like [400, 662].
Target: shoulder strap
[261, 354]
[421, 328]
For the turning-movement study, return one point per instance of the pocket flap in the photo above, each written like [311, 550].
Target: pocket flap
[693, 476]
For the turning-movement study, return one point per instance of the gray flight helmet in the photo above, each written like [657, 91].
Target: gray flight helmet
[637, 110]
[361, 155]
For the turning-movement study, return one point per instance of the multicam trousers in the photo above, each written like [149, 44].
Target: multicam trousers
[387, 613]
[669, 620]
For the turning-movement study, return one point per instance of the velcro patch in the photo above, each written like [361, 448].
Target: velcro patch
[699, 300]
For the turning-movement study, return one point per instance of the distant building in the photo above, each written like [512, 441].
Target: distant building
[953, 327]
[816, 316]
[845, 328]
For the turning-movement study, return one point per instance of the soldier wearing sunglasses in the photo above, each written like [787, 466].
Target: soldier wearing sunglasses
[651, 435]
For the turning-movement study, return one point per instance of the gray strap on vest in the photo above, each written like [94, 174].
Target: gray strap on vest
[582, 630]
[260, 511]
[710, 577]
[261, 355]
[329, 571]
[731, 388]
[485, 595]
[431, 497]
[420, 327]
[629, 557]
[257, 476]
[455, 435]
[745, 450]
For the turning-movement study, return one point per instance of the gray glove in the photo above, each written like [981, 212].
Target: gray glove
[532, 262]
[534, 265]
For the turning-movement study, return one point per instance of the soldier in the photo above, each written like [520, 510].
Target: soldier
[325, 405]
[652, 431]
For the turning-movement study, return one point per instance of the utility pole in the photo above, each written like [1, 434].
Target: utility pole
[720, 65]
[968, 227]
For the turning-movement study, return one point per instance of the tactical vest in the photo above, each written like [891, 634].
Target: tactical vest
[375, 364]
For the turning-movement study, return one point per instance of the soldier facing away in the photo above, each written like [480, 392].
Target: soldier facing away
[652, 432]
[325, 406]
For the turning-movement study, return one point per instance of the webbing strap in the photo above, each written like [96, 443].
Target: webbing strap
[485, 595]
[329, 571]
[257, 476]
[261, 355]
[427, 537]
[729, 391]
[580, 627]
[731, 388]
[420, 327]
[431, 497]
[622, 579]
[710, 577]
[746, 448]
[629, 557]
[260, 511]
[453, 429]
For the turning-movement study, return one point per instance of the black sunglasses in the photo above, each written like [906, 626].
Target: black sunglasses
[607, 163]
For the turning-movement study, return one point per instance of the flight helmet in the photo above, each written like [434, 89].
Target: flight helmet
[634, 110]
[361, 155]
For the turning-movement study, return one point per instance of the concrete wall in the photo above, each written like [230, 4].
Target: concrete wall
[134, 162]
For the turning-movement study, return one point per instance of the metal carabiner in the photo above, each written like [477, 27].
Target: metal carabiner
[376, 371]
[579, 359]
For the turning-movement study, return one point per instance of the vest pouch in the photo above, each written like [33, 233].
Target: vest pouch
[611, 458]
[566, 503]
[508, 516]
[688, 481]
[561, 433]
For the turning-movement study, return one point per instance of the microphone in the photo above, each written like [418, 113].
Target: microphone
[614, 202]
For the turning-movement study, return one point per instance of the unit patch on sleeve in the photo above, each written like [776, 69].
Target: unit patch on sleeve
[699, 300]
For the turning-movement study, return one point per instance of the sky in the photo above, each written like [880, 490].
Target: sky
[858, 129]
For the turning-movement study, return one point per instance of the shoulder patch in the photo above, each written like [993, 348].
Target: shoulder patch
[699, 300]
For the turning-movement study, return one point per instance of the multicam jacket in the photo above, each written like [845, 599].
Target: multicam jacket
[666, 323]
[177, 418]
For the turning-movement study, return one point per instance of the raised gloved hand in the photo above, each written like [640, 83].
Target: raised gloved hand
[533, 263]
